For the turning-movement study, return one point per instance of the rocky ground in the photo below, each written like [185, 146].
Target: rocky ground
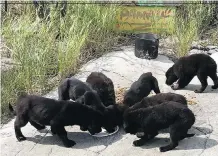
[124, 68]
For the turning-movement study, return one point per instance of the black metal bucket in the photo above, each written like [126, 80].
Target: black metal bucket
[146, 43]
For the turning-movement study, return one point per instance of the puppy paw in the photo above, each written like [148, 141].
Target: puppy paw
[21, 138]
[53, 132]
[163, 149]
[69, 143]
[198, 91]
[214, 87]
[138, 142]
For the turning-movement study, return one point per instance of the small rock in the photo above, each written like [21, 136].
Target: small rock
[210, 47]
[200, 47]
[212, 51]
[195, 51]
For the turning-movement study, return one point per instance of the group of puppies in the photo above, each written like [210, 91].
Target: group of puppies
[92, 105]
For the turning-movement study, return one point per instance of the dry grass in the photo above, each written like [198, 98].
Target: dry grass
[191, 22]
[85, 32]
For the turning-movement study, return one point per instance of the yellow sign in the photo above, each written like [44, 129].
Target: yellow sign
[146, 19]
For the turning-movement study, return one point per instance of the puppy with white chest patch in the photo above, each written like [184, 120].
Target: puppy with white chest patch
[184, 70]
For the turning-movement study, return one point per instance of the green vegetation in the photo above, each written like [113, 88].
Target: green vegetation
[191, 21]
[85, 32]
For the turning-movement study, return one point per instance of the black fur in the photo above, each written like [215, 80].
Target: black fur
[112, 114]
[159, 99]
[72, 88]
[140, 89]
[92, 99]
[150, 120]
[104, 87]
[41, 111]
[187, 67]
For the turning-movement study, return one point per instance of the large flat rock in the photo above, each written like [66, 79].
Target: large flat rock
[124, 68]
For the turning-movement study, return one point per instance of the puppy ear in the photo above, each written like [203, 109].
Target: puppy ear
[88, 98]
[155, 86]
[169, 72]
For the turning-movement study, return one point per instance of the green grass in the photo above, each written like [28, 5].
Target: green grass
[86, 31]
[191, 21]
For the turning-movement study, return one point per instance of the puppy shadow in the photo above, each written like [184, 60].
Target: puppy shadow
[162, 58]
[194, 142]
[193, 87]
[198, 131]
[82, 139]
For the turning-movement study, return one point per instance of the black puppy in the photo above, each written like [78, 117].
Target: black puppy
[159, 99]
[140, 89]
[150, 120]
[72, 88]
[189, 66]
[41, 111]
[104, 87]
[112, 114]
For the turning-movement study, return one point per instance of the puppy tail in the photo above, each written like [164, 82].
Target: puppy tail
[11, 109]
